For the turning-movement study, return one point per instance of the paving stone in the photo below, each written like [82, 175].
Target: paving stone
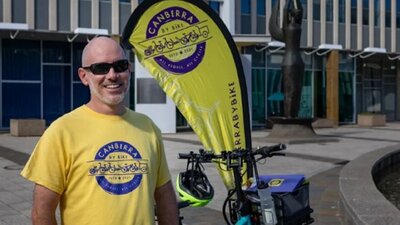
[7, 211]
[26, 212]
[9, 197]
[16, 220]
[26, 195]
[21, 206]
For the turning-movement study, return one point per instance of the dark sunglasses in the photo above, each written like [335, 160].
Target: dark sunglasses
[103, 68]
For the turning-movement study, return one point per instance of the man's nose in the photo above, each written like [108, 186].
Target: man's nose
[112, 74]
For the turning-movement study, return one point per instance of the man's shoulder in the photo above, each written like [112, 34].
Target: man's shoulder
[68, 118]
[75, 113]
[140, 118]
[137, 115]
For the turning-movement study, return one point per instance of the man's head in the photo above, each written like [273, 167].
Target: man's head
[106, 71]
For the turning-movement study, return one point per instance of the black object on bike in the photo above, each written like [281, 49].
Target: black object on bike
[193, 186]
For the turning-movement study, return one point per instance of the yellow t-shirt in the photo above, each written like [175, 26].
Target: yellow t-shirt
[106, 168]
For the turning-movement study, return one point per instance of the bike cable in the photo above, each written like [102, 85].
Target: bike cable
[228, 197]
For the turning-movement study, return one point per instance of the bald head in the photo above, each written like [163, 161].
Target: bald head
[98, 49]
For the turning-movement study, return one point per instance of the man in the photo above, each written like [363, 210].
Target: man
[102, 163]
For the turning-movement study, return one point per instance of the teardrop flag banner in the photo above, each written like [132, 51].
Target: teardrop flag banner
[189, 51]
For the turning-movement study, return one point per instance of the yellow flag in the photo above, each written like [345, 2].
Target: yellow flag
[190, 52]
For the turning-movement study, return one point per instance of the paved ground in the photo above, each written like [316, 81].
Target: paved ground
[320, 162]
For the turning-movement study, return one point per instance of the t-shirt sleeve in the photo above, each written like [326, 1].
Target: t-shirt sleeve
[163, 171]
[47, 166]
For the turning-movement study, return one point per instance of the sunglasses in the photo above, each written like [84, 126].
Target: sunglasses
[103, 68]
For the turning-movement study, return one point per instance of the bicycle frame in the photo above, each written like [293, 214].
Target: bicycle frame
[241, 210]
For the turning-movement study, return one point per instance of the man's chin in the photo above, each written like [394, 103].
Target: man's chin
[114, 101]
[111, 100]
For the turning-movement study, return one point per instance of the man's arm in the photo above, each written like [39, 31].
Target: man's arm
[167, 211]
[45, 203]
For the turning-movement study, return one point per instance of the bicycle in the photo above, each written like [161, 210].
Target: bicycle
[244, 205]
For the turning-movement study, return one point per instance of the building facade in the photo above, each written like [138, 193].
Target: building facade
[351, 49]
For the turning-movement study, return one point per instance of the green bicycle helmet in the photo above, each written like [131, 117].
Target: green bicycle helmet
[193, 186]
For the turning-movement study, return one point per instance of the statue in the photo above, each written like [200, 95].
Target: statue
[292, 64]
[290, 128]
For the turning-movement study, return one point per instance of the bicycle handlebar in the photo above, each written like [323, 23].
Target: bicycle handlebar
[269, 151]
[207, 156]
[185, 155]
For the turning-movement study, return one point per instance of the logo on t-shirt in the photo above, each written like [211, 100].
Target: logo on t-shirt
[118, 167]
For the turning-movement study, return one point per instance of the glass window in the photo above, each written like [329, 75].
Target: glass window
[329, 10]
[56, 91]
[342, 11]
[275, 94]
[353, 11]
[246, 24]
[258, 95]
[346, 88]
[305, 110]
[105, 15]
[317, 10]
[257, 58]
[245, 9]
[274, 60]
[63, 15]
[304, 5]
[56, 52]
[81, 94]
[346, 104]
[1, 12]
[377, 15]
[77, 56]
[21, 104]
[124, 14]
[245, 6]
[365, 12]
[372, 100]
[397, 14]
[21, 60]
[42, 14]
[18, 11]
[316, 67]
[85, 13]
[215, 6]
[388, 21]
[261, 27]
[149, 92]
[261, 7]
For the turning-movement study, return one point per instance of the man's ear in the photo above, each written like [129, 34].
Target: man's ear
[83, 76]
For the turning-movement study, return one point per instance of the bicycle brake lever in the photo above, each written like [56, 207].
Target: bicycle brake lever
[277, 154]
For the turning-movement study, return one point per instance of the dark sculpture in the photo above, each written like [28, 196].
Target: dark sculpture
[292, 64]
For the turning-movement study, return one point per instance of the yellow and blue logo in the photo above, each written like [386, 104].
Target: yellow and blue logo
[118, 168]
[176, 39]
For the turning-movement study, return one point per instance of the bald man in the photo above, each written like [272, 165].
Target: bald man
[102, 163]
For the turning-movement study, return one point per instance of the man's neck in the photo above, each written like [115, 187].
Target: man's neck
[107, 109]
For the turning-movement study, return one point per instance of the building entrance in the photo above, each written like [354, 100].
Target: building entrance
[376, 86]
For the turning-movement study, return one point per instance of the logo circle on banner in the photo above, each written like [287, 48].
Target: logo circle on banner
[176, 39]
